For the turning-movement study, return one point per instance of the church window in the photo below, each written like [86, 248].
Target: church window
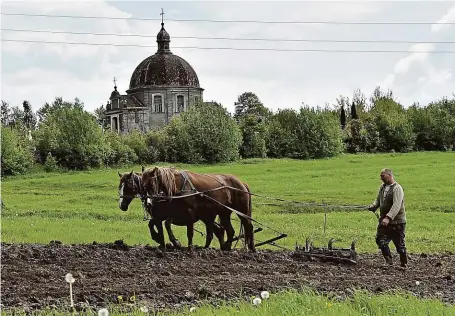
[158, 103]
[180, 103]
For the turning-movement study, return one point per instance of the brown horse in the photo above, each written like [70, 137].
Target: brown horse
[167, 197]
[130, 187]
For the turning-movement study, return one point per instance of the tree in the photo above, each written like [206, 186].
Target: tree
[203, 134]
[6, 114]
[249, 103]
[58, 103]
[354, 115]
[101, 117]
[72, 135]
[29, 118]
[343, 117]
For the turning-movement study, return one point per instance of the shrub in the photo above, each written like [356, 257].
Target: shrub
[16, 156]
[203, 134]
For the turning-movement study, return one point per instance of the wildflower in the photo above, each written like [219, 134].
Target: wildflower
[192, 309]
[417, 283]
[69, 278]
[257, 301]
[103, 312]
[329, 305]
[144, 309]
[265, 294]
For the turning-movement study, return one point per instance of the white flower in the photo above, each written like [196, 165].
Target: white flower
[265, 294]
[257, 301]
[192, 309]
[69, 278]
[103, 312]
[417, 282]
[144, 309]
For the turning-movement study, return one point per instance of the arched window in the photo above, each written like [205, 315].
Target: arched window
[158, 103]
[180, 103]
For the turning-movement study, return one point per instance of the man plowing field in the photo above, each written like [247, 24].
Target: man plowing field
[392, 218]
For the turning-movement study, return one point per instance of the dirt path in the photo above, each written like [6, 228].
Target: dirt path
[33, 275]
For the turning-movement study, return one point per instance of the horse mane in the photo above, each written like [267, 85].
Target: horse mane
[166, 179]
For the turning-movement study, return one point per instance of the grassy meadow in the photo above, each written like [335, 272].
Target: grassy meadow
[82, 207]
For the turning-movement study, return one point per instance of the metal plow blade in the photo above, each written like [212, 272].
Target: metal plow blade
[329, 253]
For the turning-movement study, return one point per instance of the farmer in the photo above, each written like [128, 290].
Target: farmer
[392, 219]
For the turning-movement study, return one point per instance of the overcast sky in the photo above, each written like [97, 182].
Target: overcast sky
[39, 72]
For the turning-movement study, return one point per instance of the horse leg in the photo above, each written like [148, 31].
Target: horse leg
[159, 227]
[225, 220]
[219, 233]
[154, 234]
[249, 239]
[170, 233]
[189, 234]
[209, 224]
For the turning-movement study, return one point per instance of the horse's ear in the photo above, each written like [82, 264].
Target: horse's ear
[119, 174]
[131, 174]
[143, 169]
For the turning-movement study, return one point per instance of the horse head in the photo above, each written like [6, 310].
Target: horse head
[158, 181]
[129, 188]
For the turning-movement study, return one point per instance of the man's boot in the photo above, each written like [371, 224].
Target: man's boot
[387, 255]
[404, 259]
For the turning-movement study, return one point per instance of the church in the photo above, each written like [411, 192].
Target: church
[162, 85]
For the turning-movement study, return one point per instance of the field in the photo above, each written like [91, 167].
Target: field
[82, 207]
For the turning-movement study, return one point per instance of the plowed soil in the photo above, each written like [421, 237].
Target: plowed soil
[33, 276]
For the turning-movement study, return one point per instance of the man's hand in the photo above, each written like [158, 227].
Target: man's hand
[385, 221]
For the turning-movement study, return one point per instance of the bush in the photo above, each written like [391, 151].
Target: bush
[309, 134]
[361, 136]
[434, 125]
[138, 143]
[156, 142]
[253, 133]
[72, 136]
[394, 127]
[16, 158]
[51, 163]
[116, 151]
[203, 134]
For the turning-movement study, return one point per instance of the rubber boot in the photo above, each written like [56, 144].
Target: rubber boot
[404, 259]
[387, 255]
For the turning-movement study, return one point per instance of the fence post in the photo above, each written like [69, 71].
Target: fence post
[325, 215]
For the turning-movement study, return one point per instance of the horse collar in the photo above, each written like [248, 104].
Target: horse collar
[186, 180]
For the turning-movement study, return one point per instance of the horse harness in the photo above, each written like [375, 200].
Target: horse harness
[186, 180]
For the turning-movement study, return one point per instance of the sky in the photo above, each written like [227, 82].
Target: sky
[39, 72]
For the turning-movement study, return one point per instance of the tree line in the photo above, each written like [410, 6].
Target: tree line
[63, 135]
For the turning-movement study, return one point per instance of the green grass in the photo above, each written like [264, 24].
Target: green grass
[80, 207]
[305, 302]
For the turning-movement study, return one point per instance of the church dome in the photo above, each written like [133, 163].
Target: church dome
[164, 68]
[115, 94]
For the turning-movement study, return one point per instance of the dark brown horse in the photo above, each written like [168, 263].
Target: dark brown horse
[174, 194]
[130, 187]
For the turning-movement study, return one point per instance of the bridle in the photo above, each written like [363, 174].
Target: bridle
[138, 193]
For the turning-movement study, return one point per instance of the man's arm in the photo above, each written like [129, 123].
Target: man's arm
[398, 195]
[373, 207]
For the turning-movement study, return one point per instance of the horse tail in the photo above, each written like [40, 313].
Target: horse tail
[248, 231]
